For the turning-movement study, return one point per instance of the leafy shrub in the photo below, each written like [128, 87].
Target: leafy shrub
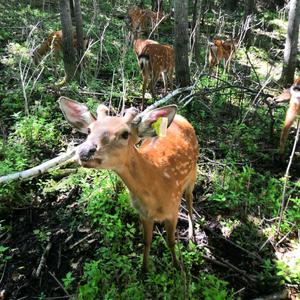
[36, 133]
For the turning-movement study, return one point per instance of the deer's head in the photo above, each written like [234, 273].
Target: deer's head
[110, 139]
[295, 90]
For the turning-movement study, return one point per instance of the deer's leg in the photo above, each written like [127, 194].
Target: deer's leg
[145, 86]
[170, 78]
[189, 202]
[227, 59]
[170, 226]
[226, 64]
[148, 234]
[165, 81]
[213, 57]
[153, 82]
[291, 114]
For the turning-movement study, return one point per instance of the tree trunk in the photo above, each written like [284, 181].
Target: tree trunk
[156, 5]
[275, 4]
[249, 8]
[68, 49]
[72, 9]
[195, 13]
[230, 5]
[291, 49]
[196, 28]
[79, 30]
[181, 43]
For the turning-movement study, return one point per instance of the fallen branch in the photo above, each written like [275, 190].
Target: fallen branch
[223, 263]
[4, 269]
[43, 260]
[40, 169]
[82, 240]
[254, 255]
[58, 282]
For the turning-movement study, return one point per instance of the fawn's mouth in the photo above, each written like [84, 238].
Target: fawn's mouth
[84, 158]
[90, 162]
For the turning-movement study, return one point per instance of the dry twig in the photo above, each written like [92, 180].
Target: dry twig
[223, 263]
[80, 241]
[58, 282]
[43, 260]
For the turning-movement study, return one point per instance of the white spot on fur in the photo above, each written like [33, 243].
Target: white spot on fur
[166, 174]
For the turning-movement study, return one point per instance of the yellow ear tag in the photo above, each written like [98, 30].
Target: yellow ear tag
[163, 127]
[160, 126]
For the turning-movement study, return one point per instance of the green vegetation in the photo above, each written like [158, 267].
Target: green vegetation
[97, 244]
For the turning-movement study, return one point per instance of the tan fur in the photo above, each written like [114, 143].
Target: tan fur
[53, 43]
[142, 21]
[220, 50]
[139, 44]
[157, 173]
[291, 114]
[156, 60]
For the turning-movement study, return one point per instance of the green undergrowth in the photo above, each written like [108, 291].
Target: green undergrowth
[116, 273]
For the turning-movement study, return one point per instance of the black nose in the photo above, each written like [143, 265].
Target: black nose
[86, 152]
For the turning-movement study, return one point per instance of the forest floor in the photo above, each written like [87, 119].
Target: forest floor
[45, 243]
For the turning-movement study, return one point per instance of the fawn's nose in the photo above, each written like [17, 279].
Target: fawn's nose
[86, 152]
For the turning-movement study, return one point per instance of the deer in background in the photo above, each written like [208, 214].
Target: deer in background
[53, 43]
[137, 21]
[221, 50]
[156, 60]
[141, 21]
[157, 173]
[293, 93]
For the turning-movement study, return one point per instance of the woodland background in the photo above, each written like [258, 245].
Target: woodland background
[72, 233]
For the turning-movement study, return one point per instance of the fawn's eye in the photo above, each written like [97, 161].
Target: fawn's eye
[89, 130]
[125, 135]
[297, 88]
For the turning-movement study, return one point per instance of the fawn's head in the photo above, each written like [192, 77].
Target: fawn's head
[110, 138]
[135, 21]
[295, 88]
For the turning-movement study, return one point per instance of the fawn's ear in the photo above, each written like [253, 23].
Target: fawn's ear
[77, 114]
[145, 128]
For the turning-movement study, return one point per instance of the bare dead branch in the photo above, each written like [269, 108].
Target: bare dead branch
[59, 283]
[223, 263]
[40, 169]
[43, 260]
[169, 97]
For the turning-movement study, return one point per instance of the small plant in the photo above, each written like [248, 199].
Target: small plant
[214, 288]
[289, 266]
[68, 280]
[42, 296]
[3, 256]
[42, 236]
